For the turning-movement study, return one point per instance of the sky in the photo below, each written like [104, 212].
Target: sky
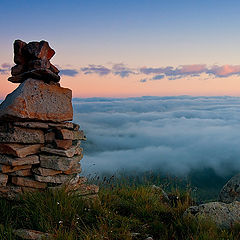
[120, 48]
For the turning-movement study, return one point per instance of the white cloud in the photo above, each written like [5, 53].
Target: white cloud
[174, 134]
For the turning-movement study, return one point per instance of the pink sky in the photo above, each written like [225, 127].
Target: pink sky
[110, 85]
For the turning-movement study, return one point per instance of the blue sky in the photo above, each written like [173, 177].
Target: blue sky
[136, 33]
[128, 29]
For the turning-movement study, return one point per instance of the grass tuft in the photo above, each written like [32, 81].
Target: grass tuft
[124, 212]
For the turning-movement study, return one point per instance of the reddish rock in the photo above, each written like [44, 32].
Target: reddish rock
[22, 135]
[36, 64]
[46, 171]
[38, 50]
[54, 69]
[43, 74]
[10, 169]
[49, 137]
[68, 125]
[65, 134]
[27, 182]
[19, 150]
[3, 180]
[29, 160]
[36, 100]
[34, 125]
[75, 169]
[18, 69]
[63, 144]
[22, 173]
[18, 56]
[71, 135]
[58, 162]
[74, 150]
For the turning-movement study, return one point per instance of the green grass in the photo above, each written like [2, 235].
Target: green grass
[123, 209]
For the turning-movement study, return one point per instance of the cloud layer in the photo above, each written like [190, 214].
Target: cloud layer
[159, 73]
[174, 134]
[151, 74]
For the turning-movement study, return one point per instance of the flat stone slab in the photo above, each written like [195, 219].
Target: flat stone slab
[58, 162]
[19, 150]
[27, 182]
[63, 144]
[22, 173]
[22, 135]
[74, 150]
[46, 171]
[29, 160]
[39, 101]
[10, 169]
[67, 125]
[60, 178]
[71, 135]
[38, 125]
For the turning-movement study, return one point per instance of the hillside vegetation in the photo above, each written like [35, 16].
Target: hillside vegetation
[123, 211]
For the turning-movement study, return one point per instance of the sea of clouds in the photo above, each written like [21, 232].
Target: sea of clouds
[173, 134]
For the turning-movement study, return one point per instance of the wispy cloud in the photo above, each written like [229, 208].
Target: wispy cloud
[122, 70]
[147, 70]
[143, 80]
[158, 77]
[151, 73]
[6, 65]
[68, 72]
[97, 69]
[169, 72]
[194, 70]
[5, 68]
[225, 70]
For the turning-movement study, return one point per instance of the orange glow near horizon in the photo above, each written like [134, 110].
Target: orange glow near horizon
[114, 86]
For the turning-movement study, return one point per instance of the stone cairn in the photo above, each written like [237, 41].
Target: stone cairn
[39, 145]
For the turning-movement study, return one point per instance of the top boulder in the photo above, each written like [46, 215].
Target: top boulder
[33, 61]
[24, 52]
[38, 50]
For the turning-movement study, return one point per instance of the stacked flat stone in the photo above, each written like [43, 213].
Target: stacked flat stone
[39, 145]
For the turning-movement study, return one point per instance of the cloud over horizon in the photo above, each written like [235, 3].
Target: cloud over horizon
[169, 72]
[151, 73]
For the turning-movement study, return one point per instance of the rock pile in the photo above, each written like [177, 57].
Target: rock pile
[39, 146]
